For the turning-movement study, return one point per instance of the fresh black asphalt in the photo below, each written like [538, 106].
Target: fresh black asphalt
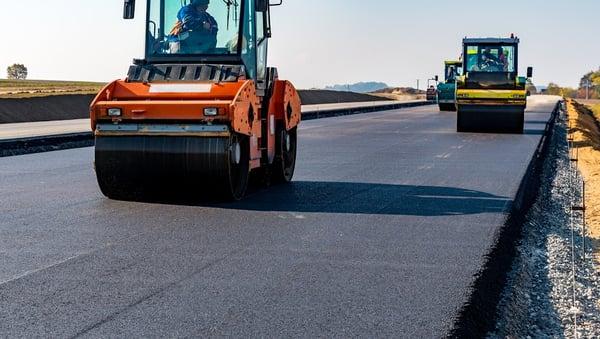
[380, 235]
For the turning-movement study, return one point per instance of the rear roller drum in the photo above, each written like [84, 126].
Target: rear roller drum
[285, 159]
[447, 107]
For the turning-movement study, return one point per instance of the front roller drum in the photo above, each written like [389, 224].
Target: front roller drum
[144, 168]
[446, 107]
[491, 119]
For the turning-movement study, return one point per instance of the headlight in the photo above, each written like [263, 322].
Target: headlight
[211, 112]
[114, 112]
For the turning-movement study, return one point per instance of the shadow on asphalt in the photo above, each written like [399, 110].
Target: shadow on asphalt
[534, 132]
[363, 198]
[543, 122]
[345, 198]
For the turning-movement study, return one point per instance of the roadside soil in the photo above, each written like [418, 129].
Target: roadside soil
[400, 93]
[56, 107]
[319, 97]
[585, 127]
[590, 102]
[400, 97]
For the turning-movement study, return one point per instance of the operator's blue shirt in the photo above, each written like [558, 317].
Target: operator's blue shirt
[193, 20]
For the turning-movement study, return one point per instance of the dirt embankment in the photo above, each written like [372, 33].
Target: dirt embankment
[76, 106]
[585, 128]
[57, 107]
[401, 93]
[319, 97]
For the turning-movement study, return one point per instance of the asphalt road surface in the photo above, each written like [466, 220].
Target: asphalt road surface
[43, 128]
[381, 233]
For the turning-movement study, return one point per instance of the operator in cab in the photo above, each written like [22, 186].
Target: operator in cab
[195, 31]
[489, 63]
[451, 76]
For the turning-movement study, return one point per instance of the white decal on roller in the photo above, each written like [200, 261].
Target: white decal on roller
[180, 88]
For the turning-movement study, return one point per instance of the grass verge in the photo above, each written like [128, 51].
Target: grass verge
[41, 88]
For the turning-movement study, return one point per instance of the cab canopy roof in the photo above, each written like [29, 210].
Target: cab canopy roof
[491, 41]
[453, 62]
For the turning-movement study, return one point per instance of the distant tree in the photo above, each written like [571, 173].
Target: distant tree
[568, 92]
[584, 80]
[591, 79]
[595, 78]
[553, 89]
[530, 87]
[16, 72]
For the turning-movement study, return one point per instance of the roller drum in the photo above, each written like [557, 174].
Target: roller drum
[491, 119]
[137, 167]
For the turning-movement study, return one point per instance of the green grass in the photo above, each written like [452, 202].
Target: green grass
[40, 88]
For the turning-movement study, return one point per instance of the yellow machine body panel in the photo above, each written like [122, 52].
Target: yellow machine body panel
[491, 97]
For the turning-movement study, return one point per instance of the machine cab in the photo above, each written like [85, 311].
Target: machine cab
[208, 32]
[491, 63]
[452, 71]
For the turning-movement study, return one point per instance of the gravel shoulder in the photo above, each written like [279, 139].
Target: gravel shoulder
[542, 299]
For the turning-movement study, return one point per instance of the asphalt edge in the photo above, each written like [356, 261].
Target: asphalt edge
[478, 316]
[22, 146]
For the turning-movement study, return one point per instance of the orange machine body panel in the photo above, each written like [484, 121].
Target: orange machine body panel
[286, 104]
[137, 102]
[237, 104]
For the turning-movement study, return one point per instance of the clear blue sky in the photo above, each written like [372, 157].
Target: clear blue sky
[317, 42]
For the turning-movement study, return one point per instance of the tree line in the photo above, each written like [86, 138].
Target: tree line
[589, 87]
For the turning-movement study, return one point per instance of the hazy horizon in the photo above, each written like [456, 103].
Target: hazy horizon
[317, 43]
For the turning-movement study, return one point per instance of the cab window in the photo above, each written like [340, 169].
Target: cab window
[491, 58]
[193, 27]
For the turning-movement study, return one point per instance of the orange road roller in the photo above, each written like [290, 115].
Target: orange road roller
[201, 112]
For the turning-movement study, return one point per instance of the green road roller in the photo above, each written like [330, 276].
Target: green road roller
[446, 90]
[491, 96]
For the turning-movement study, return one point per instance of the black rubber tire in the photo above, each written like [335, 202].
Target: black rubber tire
[282, 170]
